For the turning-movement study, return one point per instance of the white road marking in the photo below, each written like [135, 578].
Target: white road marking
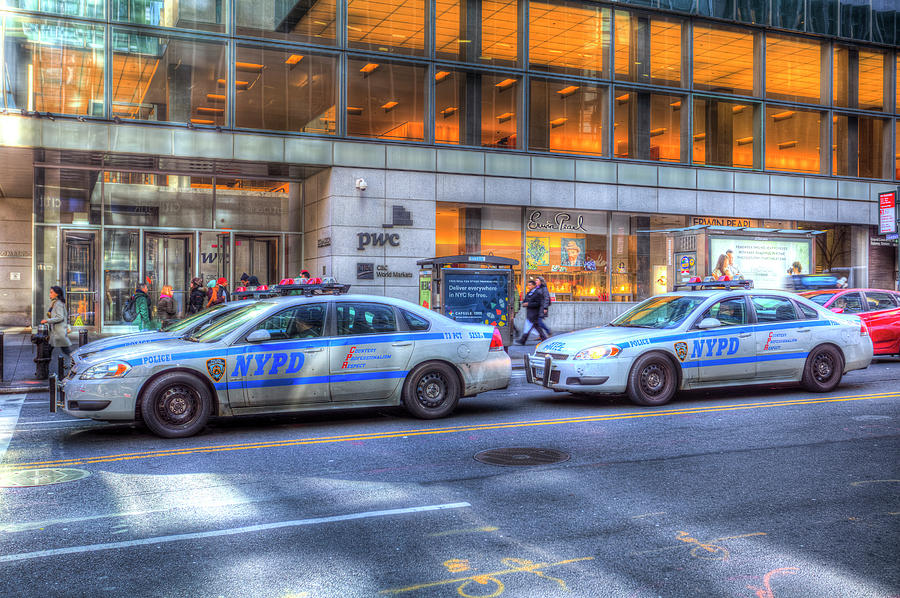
[10, 406]
[57, 421]
[23, 556]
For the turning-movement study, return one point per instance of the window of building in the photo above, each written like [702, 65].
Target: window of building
[752, 11]
[396, 26]
[793, 139]
[385, 99]
[473, 108]
[855, 19]
[723, 60]
[457, 27]
[567, 117]
[257, 204]
[860, 146]
[859, 78]
[871, 79]
[66, 196]
[648, 50]
[142, 199]
[171, 79]
[788, 14]
[294, 91]
[884, 31]
[206, 15]
[822, 16]
[793, 69]
[569, 37]
[88, 9]
[308, 22]
[648, 126]
[53, 66]
[897, 155]
[724, 133]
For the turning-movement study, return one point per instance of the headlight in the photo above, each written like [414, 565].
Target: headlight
[113, 369]
[599, 352]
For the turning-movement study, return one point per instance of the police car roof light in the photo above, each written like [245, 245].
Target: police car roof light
[715, 284]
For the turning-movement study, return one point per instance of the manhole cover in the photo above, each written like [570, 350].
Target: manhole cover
[40, 477]
[521, 456]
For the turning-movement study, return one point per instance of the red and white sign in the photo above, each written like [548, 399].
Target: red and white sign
[887, 212]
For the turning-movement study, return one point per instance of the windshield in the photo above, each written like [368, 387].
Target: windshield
[820, 298]
[187, 323]
[660, 312]
[231, 322]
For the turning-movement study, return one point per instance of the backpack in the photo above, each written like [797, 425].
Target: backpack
[129, 310]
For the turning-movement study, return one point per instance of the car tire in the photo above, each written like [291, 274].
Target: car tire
[652, 380]
[823, 369]
[431, 391]
[176, 405]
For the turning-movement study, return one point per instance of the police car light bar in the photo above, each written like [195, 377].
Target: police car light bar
[700, 285]
[308, 290]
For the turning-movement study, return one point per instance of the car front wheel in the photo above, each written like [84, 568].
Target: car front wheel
[652, 381]
[431, 390]
[176, 405]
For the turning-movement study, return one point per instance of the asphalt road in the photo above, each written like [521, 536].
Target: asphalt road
[767, 493]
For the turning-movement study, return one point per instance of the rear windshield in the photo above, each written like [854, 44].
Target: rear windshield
[668, 311]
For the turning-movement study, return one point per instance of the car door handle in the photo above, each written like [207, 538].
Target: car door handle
[745, 335]
[804, 329]
[319, 350]
[403, 344]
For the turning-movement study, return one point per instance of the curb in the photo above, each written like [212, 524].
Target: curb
[14, 390]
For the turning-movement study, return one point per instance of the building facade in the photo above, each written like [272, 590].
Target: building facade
[610, 147]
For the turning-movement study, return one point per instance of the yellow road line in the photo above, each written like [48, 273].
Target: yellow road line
[448, 430]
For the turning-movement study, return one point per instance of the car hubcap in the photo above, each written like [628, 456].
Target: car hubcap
[431, 390]
[653, 379]
[823, 367]
[178, 405]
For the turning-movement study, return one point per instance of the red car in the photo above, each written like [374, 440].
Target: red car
[879, 309]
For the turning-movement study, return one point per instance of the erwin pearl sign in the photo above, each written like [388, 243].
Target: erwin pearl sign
[563, 221]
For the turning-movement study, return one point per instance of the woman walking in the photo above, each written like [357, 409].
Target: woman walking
[165, 306]
[58, 319]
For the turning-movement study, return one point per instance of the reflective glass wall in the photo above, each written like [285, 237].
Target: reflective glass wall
[652, 81]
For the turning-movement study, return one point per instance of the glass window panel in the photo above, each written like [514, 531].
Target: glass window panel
[46, 247]
[682, 5]
[788, 14]
[793, 69]
[665, 127]
[262, 205]
[723, 133]
[387, 25]
[52, 66]
[871, 79]
[897, 91]
[665, 52]
[567, 117]
[308, 21]
[855, 18]
[121, 255]
[90, 9]
[141, 199]
[457, 26]
[647, 126]
[752, 11]
[724, 9]
[568, 37]
[385, 100]
[500, 32]
[822, 16]
[647, 49]
[206, 15]
[67, 196]
[793, 139]
[884, 21]
[626, 46]
[171, 79]
[295, 91]
[573, 264]
[860, 146]
[897, 147]
[476, 109]
[723, 60]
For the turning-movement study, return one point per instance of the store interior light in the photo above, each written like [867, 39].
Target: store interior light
[388, 106]
[676, 105]
[737, 109]
[558, 122]
[369, 68]
[249, 67]
[567, 91]
[449, 111]
[354, 110]
[622, 99]
[699, 136]
[506, 83]
[215, 97]
[783, 115]
[293, 59]
[657, 132]
[745, 140]
[202, 121]
[206, 110]
[505, 117]
[787, 144]
[441, 75]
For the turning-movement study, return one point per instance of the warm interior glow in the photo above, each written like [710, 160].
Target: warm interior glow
[723, 59]
[387, 25]
[793, 68]
[568, 36]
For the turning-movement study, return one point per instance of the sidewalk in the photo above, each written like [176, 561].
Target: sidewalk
[18, 363]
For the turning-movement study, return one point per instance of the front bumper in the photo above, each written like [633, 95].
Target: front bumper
[97, 399]
[600, 376]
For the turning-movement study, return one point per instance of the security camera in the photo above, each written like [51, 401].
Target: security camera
[361, 184]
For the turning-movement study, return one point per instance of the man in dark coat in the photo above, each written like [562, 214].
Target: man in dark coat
[532, 305]
[545, 308]
[198, 296]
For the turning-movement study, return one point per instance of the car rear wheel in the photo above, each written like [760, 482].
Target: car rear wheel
[176, 405]
[652, 381]
[431, 390]
[823, 370]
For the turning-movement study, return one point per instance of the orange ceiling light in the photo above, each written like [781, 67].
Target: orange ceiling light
[737, 109]
[505, 116]
[787, 144]
[215, 97]
[353, 110]
[658, 132]
[293, 59]
[623, 98]
[783, 115]
[211, 111]
[249, 67]
[567, 91]
[369, 68]
[389, 105]
[448, 111]
[506, 83]
[441, 75]
[558, 122]
[237, 84]
[202, 121]
[744, 140]
[676, 105]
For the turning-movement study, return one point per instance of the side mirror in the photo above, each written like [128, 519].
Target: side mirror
[258, 336]
[706, 323]
[837, 310]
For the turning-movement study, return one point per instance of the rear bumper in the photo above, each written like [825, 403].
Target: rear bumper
[493, 373]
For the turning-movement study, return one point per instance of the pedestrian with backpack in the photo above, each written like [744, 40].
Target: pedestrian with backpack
[198, 296]
[142, 307]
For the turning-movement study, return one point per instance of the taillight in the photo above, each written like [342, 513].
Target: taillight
[863, 329]
[496, 341]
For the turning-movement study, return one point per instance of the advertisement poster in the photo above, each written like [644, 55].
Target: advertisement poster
[476, 298]
[572, 251]
[537, 251]
[764, 261]
[887, 213]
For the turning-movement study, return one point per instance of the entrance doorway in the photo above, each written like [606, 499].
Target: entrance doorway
[80, 268]
[168, 261]
[257, 256]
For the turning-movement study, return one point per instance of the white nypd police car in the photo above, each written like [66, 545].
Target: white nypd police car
[292, 354]
[705, 338]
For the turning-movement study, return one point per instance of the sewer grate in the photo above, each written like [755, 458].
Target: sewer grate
[40, 477]
[521, 456]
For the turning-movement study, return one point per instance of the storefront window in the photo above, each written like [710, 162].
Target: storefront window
[206, 15]
[294, 91]
[66, 196]
[569, 37]
[397, 26]
[307, 22]
[457, 27]
[655, 138]
[648, 50]
[724, 133]
[244, 204]
[793, 69]
[567, 117]
[171, 79]
[862, 72]
[385, 100]
[859, 147]
[793, 139]
[476, 109]
[140, 199]
[723, 60]
[53, 66]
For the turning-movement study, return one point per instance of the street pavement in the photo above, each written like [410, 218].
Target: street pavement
[764, 492]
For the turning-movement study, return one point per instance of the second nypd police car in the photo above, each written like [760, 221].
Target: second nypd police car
[292, 354]
[702, 339]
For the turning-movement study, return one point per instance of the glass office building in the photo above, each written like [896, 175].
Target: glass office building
[161, 140]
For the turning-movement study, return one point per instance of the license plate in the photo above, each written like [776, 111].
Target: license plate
[539, 373]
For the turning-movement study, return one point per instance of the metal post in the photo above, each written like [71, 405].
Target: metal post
[60, 366]
[52, 393]
[1, 355]
[82, 337]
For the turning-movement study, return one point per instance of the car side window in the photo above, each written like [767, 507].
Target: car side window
[808, 312]
[301, 321]
[774, 309]
[731, 312]
[414, 321]
[364, 318]
[851, 303]
[879, 300]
